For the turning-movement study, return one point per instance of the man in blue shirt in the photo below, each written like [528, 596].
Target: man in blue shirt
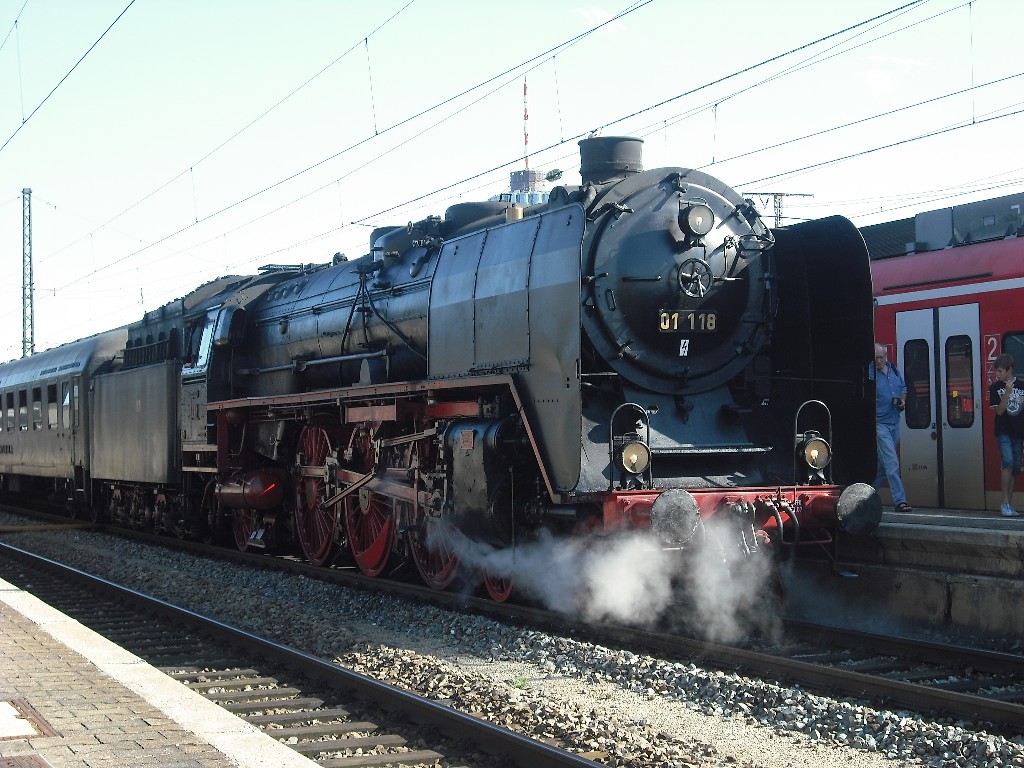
[1006, 398]
[890, 400]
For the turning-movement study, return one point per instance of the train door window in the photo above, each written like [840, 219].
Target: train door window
[37, 408]
[10, 411]
[3, 417]
[959, 381]
[22, 410]
[917, 373]
[65, 404]
[52, 404]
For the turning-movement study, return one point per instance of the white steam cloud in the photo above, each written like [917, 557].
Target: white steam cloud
[629, 578]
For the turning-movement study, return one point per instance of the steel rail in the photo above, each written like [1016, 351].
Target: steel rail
[815, 676]
[525, 751]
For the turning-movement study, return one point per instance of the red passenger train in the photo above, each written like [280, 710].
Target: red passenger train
[949, 298]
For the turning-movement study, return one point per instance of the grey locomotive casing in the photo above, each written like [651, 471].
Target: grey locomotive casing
[56, 444]
[506, 300]
[135, 425]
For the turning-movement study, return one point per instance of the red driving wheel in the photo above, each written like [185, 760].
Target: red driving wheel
[316, 527]
[371, 529]
[498, 587]
[244, 523]
[435, 553]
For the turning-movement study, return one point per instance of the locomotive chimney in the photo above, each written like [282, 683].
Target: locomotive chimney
[609, 158]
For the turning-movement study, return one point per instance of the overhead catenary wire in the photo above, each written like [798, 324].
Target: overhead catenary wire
[440, 190]
[66, 76]
[630, 9]
[405, 121]
[14, 25]
[260, 117]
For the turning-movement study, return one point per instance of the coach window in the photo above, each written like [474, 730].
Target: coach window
[10, 411]
[52, 404]
[917, 372]
[22, 410]
[959, 381]
[37, 408]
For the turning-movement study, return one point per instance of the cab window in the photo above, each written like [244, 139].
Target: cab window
[200, 345]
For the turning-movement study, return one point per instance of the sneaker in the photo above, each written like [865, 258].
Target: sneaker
[1007, 511]
[904, 508]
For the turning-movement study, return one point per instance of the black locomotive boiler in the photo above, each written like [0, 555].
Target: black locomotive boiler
[639, 353]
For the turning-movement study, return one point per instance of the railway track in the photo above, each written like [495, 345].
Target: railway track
[336, 717]
[931, 679]
[890, 672]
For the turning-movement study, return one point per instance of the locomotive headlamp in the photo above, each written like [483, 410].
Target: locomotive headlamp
[697, 219]
[636, 457]
[815, 450]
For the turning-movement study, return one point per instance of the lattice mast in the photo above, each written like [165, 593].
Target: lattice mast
[777, 198]
[28, 322]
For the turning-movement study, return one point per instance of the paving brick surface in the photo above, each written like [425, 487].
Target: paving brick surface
[98, 722]
[92, 704]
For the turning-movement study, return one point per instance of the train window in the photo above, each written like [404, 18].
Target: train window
[3, 419]
[10, 411]
[51, 406]
[200, 344]
[917, 373]
[959, 381]
[76, 385]
[22, 410]
[1013, 342]
[65, 404]
[37, 408]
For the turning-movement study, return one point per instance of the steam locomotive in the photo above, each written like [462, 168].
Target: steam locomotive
[638, 353]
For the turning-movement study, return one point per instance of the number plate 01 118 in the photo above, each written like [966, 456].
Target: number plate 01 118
[685, 321]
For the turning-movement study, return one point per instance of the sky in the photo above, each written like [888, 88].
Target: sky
[170, 143]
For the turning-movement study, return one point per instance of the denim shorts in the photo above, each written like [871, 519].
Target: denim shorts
[1010, 450]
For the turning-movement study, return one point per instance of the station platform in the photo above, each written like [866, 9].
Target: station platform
[946, 569]
[69, 698]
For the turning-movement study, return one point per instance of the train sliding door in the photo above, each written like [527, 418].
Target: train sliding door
[941, 441]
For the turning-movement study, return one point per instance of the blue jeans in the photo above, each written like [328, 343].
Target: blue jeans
[1009, 452]
[889, 462]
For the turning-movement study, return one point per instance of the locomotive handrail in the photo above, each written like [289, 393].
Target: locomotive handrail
[299, 365]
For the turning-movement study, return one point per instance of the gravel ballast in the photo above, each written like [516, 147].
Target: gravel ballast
[618, 707]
